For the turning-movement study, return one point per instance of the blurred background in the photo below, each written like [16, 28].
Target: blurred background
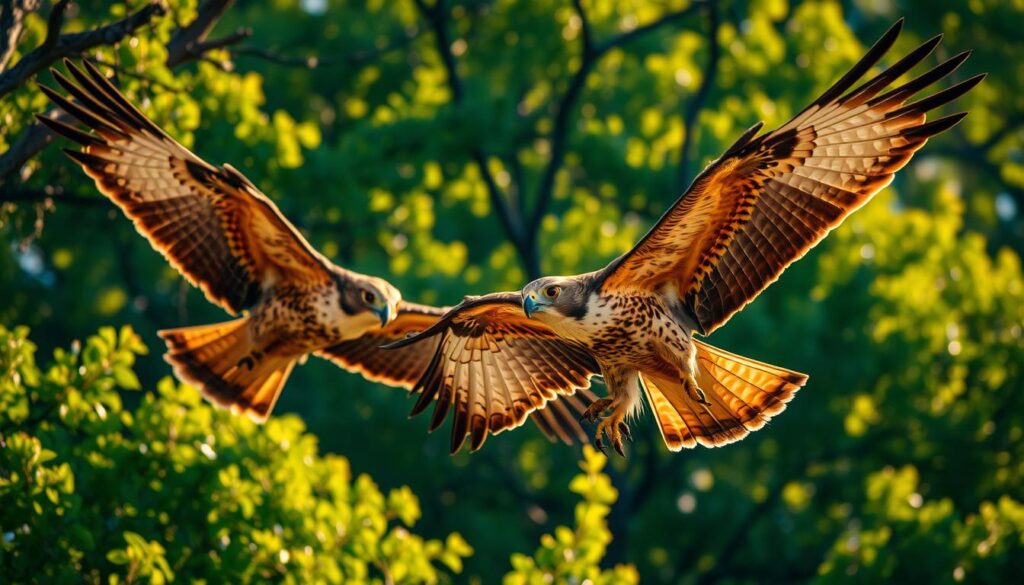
[462, 147]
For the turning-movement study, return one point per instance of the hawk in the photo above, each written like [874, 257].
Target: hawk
[758, 208]
[229, 239]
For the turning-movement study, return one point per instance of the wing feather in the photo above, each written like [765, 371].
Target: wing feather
[211, 223]
[541, 375]
[770, 198]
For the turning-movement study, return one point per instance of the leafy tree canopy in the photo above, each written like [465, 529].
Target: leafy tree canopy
[464, 146]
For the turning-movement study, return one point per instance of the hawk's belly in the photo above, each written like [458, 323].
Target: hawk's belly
[635, 332]
[300, 320]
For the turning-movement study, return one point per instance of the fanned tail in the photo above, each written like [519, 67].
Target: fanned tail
[223, 361]
[741, 394]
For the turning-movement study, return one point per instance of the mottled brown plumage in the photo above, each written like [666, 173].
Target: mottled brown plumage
[745, 218]
[558, 420]
[227, 238]
[230, 240]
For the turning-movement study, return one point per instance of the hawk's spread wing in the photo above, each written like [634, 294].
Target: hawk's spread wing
[493, 367]
[404, 366]
[211, 223]
[399, 367]
[771, 198]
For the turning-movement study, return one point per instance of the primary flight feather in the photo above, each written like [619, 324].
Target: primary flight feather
[226, 237]
[758, 208]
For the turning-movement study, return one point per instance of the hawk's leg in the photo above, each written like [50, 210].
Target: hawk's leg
[596, 410]
[614, 428]
[683, 357]
[693, 390]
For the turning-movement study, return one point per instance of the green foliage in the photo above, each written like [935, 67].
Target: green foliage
[174, 489]
[903, 458]
[575, 555]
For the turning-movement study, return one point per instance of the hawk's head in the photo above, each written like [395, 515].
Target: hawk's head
[374, 296]
[555, 298]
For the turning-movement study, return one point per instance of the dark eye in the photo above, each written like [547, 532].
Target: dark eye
[369, 297]
[552, 292]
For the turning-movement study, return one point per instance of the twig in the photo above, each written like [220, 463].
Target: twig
[591, 54]
[57, 45]
[12, 23]
[508, 216]
[693, 109]
[189, 42]
[316, 62]
[640, 31]
[55, 195]
[28, 144]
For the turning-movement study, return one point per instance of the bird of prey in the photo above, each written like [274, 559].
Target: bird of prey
[758, 208]
[228, 238]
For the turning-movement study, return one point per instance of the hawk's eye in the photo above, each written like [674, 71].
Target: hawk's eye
[369, 297]
[552, 292]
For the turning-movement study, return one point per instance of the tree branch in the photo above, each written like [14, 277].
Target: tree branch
[315, 62]
[507, 215]
[57, 45]
[52, 194]
[560, 127]
[696, 105]
[591, 54]
[640, 31]
[12, 22]
[28, 144]
[189, 42]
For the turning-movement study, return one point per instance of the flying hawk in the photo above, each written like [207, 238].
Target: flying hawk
[745, 218]
[228, 238]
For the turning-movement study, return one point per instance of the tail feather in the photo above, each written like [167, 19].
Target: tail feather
[741, 394]
[223, 361]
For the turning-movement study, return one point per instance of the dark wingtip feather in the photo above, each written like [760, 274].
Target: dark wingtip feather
[68, 131]
[82, 158]
[82, 114]
[744, 138]
[937, 127]
[905, 91]
[873, 55]
[421, 403]
[458, 434]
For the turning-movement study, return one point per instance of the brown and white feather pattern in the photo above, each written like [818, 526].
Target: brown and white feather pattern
[771, 198]
[211, 224]
[493, 367]
[558, 419]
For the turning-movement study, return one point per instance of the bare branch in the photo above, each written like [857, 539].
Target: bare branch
[28, 144]
[12, 23]
[508, 216]
[693, 109]
[316, 62]
[189, 42]
[50, 195]
[640, 31]
[560, 128]
[591, 54]
[586, 36]
[438, 21]
[57, 45]
[54, 24]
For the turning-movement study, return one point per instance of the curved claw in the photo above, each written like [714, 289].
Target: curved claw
[611, 428]
[624, 429]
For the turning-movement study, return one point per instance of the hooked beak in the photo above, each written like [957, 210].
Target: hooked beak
[531, 304]
[384, 313]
